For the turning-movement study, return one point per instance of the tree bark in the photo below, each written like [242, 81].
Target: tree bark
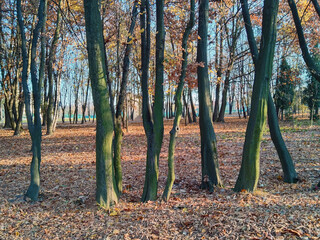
[84, 105]
[151, 176]
[231, 98]
[156, 130]
[209, 155]
[188, 114]
[76, 108]
[194, 114]
[70, 109]
[289, 172]
[287, 164]
[250, 166]
[7, 122]
[52, 56]
[178, 105]
[106, 191]
[18, 128]
[34, 125]
[121, 99]
[219, 76]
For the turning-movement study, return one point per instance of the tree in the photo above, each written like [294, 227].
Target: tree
[311, 94]
[121, 99]
[289, 173]
[209, 155]
[153, 123]
[312, 98]
[34, 123]
[232, 41]
[11, 67]
[312, 66]
[52, 55]
[284, 91]
[178, 104]
[250, 166]
[106, 188]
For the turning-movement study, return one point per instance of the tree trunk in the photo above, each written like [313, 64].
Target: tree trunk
[9, 108]
[178, 105]
[159, 91]
[56, 101]
[250, 166]
[289, 172]
[45, 103]
[153, 129]
[118, 133]
[7, 122]
[285, 158]
[84, 106]
[217, 99]
[312, 66]
[70, 109]
[224, 98]
[18, 128]
[232, 47]
[188, 114]
[0, 110]
[231, 99]
[106, 191]
[34, 126]
[209, 154]
[76, 97]
[219, 75]
[52, 56]
[63, 113]
[243, 108]
[194, 114]
[238, 109]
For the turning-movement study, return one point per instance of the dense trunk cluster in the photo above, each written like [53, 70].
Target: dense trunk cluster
[133, 70]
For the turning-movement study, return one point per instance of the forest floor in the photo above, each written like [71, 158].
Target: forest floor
[67, 209]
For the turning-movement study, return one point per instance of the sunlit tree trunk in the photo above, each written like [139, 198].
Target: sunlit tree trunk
[106, 191]
[250, 166]
[287, 164]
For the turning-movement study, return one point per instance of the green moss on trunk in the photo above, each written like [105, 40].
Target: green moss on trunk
[106, 188]
[209, 155]
[250, 166]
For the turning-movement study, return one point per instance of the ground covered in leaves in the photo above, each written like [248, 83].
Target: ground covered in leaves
[67, 209]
